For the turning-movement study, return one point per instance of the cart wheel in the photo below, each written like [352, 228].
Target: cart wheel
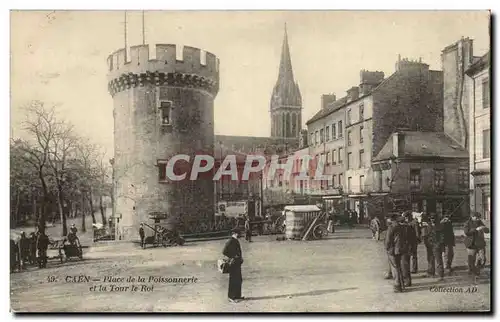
[319, 232]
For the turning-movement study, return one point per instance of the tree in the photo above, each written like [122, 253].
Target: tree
[62, 149]
[41, 126]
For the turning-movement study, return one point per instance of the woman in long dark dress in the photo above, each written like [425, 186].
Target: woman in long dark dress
[232, 250]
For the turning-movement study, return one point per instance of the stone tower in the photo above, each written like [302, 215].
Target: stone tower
[286, 101]
[163, 105]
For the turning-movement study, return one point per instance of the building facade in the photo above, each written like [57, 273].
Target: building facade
[480, 135]
[427, 171]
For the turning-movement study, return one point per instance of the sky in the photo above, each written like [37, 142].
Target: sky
[60, 57]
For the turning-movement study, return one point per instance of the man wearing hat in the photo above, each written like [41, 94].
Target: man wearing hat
[396, 246]
[413, 240]
[449, 242]
[474, 230]
[232, 250]
[141, 234]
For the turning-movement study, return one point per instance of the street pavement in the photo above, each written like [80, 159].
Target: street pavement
[342, 273]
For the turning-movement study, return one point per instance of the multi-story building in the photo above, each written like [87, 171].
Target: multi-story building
[410, 98]
[480, 135]
[326, 133]
[428, 171]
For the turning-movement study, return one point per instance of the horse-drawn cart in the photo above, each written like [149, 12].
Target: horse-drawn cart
[304, 222]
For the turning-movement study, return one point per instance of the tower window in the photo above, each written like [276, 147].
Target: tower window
[165, 109]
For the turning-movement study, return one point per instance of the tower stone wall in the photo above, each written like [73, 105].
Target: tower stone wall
[163, 105]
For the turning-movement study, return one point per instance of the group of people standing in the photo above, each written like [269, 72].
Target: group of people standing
[405, 233]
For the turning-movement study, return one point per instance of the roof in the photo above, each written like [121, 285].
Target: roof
[250, 144]
[479, 64]
[302, 208]
[329, 109]
[422, 144]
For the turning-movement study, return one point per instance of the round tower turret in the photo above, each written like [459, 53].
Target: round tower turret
[163, 105]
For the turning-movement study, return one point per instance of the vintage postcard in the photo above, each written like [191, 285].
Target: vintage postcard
[250, 161]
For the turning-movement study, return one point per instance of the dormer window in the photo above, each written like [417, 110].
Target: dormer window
[165, 109]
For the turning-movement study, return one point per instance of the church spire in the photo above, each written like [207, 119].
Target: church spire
[286, 101]
[286, 71]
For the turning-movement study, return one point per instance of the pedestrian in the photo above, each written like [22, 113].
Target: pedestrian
[73, 229]
[411, 245]
[396, 246]
[42, 244]
[33, 239]
[232, 250]
[14, 256]
[248, 230]
[414, 239]
[437, 243]
[475, 243]
[449, 243]
[375, 227]
[331, 227]
[141, 234]
[426, 233]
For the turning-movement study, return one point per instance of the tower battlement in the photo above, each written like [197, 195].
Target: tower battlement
[162, 62]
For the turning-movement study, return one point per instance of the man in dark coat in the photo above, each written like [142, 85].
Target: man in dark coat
[436, 239]
[427, 233]
[33, 239]
[141, 234]
[474, 230]
[375, 227]
[396, 246]
[413, 239]
[42, 244]
[232, 250]
[449, 242]
[411, 246]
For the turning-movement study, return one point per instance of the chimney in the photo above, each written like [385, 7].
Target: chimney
[406, 64]
[369, 80]
[327, 99]
[353, 93]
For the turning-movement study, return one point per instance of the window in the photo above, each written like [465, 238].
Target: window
[334, 156]
[280, 180]
[334, 178]
[327, 158]
[348, 117]
[349, 180]
[327, 138]
[341, 157]
[316, 139]
[439, 208]
[312, 138]
[334, 131]
[379, 180]
[361, 158]
[438, 179]
[361, 183]
[341, 130]
[162, 171]
[486, 93]
[424, 205]
[341, 180]
[415, 178]
[321, 136]
[486, 144]
[349, 142]
[165, 107]
[349, 160]
[361, 134]
[361, 112]
[414, 206]
[463, 178]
